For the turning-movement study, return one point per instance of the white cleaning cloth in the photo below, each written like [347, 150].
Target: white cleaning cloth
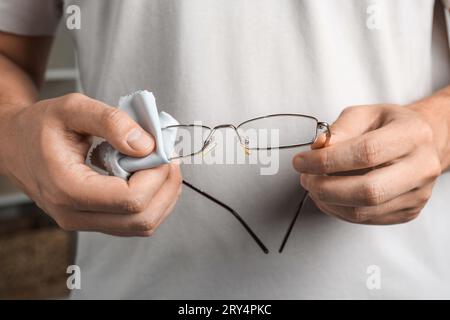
[141, 107]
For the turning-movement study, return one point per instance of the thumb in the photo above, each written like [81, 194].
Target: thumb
[91, 117]
[353, 122]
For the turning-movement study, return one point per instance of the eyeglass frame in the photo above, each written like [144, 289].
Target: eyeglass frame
[320, 125]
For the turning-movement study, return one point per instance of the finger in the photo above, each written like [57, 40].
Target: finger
[166, 198]
[331, 210]
[413, 199]
[143, 223]
[374, 187]
[91, 117]
[320, 142]
[129, 233]
[159, 221]
[91, 191]
[169, 209]
[369, 150]
[109, 223]
[125, 234]
[396, 217]
[355, 121]
[416, 198]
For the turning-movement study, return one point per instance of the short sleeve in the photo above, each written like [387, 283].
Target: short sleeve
[30, 17]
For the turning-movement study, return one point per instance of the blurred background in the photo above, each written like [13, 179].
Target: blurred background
[34, 252]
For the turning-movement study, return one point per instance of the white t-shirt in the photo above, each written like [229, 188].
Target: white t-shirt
[230, 60]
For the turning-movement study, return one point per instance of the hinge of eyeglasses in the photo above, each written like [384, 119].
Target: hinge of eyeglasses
[326, 128]
[323, 125]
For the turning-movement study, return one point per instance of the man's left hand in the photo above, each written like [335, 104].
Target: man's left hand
[379, 167]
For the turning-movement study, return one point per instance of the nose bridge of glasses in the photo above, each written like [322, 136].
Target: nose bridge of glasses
[222, 126]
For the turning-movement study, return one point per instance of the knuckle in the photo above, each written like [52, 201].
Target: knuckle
[135, 204]
[424, 195]
[367, 153]
[424, 131]
[349, 109]
[146, 226]
[147, 234]
[112, 118]
[435, 168]
[372, 194]
[325, 162]
[73, 98]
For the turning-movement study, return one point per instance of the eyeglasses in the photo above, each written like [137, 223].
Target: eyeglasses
[275, 131]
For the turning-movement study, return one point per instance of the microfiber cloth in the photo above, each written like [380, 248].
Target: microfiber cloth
[141, 107]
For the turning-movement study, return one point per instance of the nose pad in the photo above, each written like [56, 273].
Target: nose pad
[210, 144]
[245, 145]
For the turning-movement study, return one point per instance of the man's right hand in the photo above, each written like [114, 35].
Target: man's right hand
[44, 150]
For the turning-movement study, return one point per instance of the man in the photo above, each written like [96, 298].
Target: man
[225, 62]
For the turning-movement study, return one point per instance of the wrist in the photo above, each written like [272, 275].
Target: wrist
[8, 113]
[435, 110]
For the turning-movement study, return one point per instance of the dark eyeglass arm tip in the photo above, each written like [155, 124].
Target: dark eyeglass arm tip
[233, 212]
[291, 225]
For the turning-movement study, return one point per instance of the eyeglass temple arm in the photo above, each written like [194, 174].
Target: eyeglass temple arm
[291, 225]
[322, 126]
[234, 213]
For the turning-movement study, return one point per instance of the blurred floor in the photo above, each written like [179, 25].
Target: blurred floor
[34, 254]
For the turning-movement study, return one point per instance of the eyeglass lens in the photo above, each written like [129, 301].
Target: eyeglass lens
[277, 131]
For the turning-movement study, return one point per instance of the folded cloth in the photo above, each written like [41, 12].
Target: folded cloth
[141, 107]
